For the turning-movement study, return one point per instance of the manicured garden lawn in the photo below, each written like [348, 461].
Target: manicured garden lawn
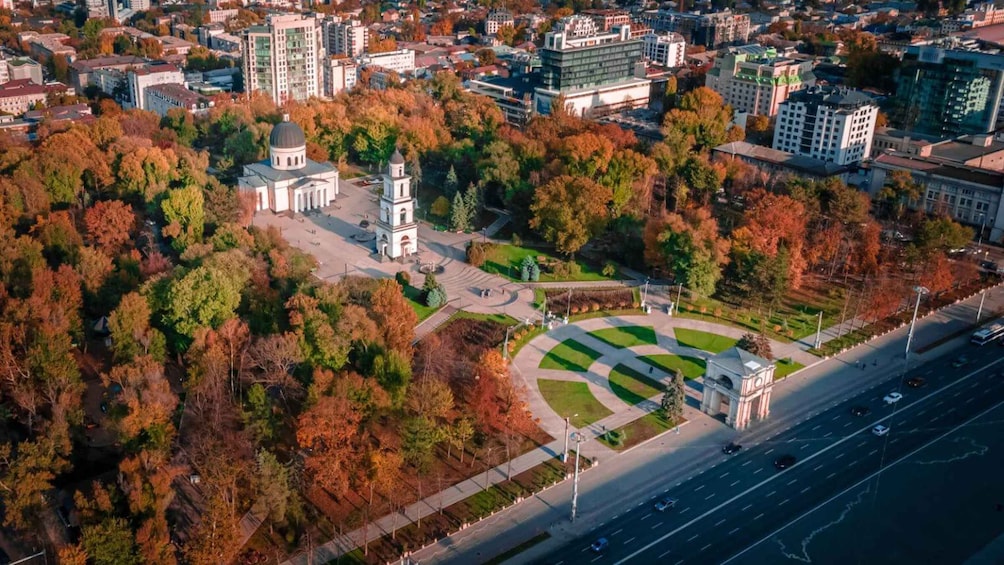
[414, 296]
[631, 386]
[505, 260]
[644, 428]
[785, 367]
[569, 398]
[692, 367]
[569, 355]
[705, 341]
[626, 336]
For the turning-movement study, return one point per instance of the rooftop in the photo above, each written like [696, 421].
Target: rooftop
[264, 170]
[177, 92]
[740, 362]
[832, 96]
[784, 159]
[935, 166]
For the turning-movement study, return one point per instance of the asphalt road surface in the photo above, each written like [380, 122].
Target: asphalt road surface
[744, 500]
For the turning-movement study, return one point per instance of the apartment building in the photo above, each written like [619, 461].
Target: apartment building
[829, 123]
[496, 19]
[665, 49]
[753, 79]
[282, 58]
[710, 30]
[345, 37]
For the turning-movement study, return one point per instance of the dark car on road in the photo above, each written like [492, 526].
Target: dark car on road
[960, 361]
[665, 504]
[916, 382]
[732, 448]
[600, 545]
[784, 461]
[860, 411]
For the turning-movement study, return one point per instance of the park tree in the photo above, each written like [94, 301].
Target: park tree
[451, 184]
[110, 225]
[146, 398]
[185, 217]
[205, 297]
[110, 541]
[460, 214]
[146, 172]
[689, 247]
[629, 177]
[941, 234]
[130, 330]
[440, 207]
[330, 431]
[274, 487]
[898, 190]
[569, 211]
[27, 471]
[757, 344]
[674, 398]
[394, 316]
[702, 114]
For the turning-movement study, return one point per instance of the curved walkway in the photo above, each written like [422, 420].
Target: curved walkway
[526, 365]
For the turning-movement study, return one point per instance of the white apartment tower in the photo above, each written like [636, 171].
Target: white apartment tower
[833, 124]
[283, 58]
[664, 49]
[396, 230]
[345, 37]
[753, 79]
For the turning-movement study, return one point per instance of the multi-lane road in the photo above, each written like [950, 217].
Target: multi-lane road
[734, 510]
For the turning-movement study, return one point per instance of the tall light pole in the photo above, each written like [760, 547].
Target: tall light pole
[505, 344]
[564, 454]
[575, 481]
[819, 331]
[488, 465]
[921, 291]
[679, 293]
[568, 309]
[983, 296]
[644, 297]
[983, 226]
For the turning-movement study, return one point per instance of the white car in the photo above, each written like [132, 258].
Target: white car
[892, 398]
[880, 430]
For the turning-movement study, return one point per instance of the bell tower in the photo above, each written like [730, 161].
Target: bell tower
[396, 230]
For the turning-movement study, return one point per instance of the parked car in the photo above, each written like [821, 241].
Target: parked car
[916, 382]
[860, 411]
[880, 430]
[665, 504]
[732, 448]
[600, 545]
[960, 361]
[784, 461]
[892, 398]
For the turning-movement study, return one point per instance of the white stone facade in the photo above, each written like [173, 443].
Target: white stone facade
[396, 230]
[741, 380]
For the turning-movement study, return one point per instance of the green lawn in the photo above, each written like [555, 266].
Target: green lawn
[569, 398]
[505, 259]
[712, 343]
[569, 355]
[631, 386]
[414, 296]
[644, 428]
[785, 367]
[626, 336]
[692, 367]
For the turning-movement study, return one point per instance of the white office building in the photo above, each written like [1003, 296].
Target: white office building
[401, 61]
[664, 49]
[829, 123]
[283, 58]
[141, 78]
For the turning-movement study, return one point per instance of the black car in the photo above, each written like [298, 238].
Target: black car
[916, 382]
[784, 461]
[731, 448]
[860, 411]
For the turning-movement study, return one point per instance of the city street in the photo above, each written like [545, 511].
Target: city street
[744, 499]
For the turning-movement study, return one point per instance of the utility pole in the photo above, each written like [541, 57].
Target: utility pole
[983, 296]
[564, 452]
[568, 310]
[575, 481]
[909, 336]
[819, 331]
[679, 293]
[644, 298]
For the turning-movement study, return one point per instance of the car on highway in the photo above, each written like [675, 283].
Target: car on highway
[665, 504]
[784, 461]
[600, 545]
[960, 361]
[732, 448]
[916, 382]
[880, 430]
[892, 398]
[860, 411]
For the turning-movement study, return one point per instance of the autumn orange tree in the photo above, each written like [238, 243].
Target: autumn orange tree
[569, 211]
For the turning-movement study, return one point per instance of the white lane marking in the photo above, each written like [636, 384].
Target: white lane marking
[873, 452]
[862, 443]
[699, 488]
[867, 478]
[793, 481]
[817, 467]
[848, 424]
[816, 428]
[665, 553]
[835, 418]
[734, 531]
[768, 451]
[706, 547]
[758, 516]
[747, 507]
[734, 484]
[656, 525]
[710, 496]
[804, 446]
[684, 510]
[646, 517]
[629, 541]
[771, 493]
[827, 434]
[692, 538]
[831, 475]
[746, 463]
[617, 532]
[805, 490]
[757, 471]
[667, 535]
[783, 502]
[720, 522]
[725, 474]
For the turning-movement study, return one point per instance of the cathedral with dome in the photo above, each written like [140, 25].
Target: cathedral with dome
[288, 181]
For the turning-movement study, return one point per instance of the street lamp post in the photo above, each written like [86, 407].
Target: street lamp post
[575, 481]
[568, 306]
[564, 454]
[819, 331]
[505, 344]
[921, 291]
[983, 226]
[488, 465]
[979, 312]
[644, 297]
[679, 293]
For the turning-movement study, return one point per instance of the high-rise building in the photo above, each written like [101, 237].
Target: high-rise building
[608, 19]
[339, 75]
[829, 123]
[593, 71]
[345, 37]
[755, 80]
[948, 92]
[665, 49]
[283, 57]
[709, 30]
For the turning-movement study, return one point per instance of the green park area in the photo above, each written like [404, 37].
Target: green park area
[569, 355]
[631, 386]
[691, 367]
[505, 260]
[626, 336]
[571, 399]
[414, 296]
[642, 429]
[785, 367]
[705, 341]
